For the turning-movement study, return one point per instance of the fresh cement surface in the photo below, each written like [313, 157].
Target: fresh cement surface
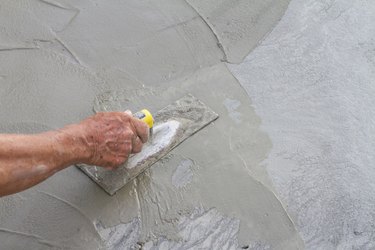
[239, 25]
[63, 60]
[286, 166]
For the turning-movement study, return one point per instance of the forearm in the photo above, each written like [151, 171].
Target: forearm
[26, 160]
[105, 139]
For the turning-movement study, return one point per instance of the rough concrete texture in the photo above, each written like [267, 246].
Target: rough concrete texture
[202, 230]
[312, 83]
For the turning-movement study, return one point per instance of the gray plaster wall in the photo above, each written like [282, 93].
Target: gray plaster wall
[312, 83]
[286, 166]
[61, 60]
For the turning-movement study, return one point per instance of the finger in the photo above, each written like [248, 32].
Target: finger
[128, 112]
[141, 128]
[119, 161]
[128, 149]
[109, 167]
[137, 145]
[123, 149]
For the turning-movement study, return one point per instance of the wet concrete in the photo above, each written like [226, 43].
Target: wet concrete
[61, 59]
[239, 25]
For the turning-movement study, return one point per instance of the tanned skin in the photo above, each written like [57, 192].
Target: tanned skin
[105, 139]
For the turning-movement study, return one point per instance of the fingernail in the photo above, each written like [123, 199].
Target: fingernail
[128, 112]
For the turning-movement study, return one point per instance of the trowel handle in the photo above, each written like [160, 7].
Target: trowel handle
[146, 117]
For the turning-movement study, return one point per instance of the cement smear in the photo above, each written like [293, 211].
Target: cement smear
[122, 236]
[164, 133]
[202, 230]
[57, 57]
[183, 174]
[199, 230]
[232, 106]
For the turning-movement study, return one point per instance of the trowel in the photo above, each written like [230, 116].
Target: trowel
[170, 126]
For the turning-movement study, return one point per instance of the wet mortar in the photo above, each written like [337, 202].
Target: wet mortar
[60, 58]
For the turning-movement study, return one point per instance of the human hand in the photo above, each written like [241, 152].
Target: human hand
[111, 137]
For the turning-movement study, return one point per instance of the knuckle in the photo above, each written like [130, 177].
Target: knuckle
[131, 132]
[131, 135]
[119, 161]
[137, 149]
[128, 148]
[122, 147]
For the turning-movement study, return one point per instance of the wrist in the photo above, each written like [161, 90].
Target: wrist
[72, 144]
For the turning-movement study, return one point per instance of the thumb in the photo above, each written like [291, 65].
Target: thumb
[128, 112]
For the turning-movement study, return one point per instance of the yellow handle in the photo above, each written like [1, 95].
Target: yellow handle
[146, 117]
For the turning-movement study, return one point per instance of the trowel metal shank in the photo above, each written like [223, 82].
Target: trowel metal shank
[192, 115]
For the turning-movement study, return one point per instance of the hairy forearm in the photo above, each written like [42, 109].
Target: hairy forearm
[26, 160]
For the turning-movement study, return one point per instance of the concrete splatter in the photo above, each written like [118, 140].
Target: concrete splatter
[183, 174]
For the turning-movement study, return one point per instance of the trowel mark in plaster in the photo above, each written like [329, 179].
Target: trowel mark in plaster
[239, 25]
[122, 236]
[58, 46]
[66, 7]
[183, 174]
[218, 43]
[202, 229]
[163, 136]
[232, 105]
[12, 48]
[39, 239]
[69, 204]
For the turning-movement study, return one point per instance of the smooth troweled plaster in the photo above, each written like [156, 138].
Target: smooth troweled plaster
[58, 56]
[239, 25]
